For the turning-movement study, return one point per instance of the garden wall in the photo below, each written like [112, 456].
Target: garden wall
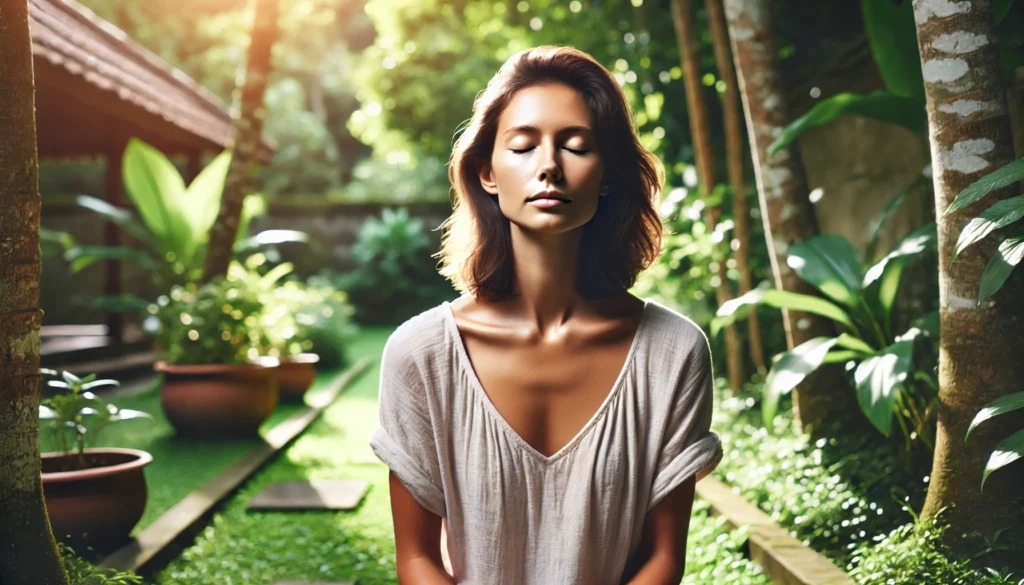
[66, 298]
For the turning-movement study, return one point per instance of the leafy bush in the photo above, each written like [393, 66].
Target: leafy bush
[890, 384]
[216, 323]
[395, 277]
[76, 416]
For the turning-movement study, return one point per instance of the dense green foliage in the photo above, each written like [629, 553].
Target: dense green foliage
[395, 276]
[850, 497]
[216, 323]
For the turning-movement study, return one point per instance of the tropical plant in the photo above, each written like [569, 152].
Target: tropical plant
[172, 225]
[861, 302]
[216, 323]
[76, 416]
[997, 216]
[1009, 449]
[395, 276]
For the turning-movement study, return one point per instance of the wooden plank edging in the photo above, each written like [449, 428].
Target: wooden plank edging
[785, 560]
[162, 540]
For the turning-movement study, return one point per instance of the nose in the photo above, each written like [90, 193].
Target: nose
[550, 170]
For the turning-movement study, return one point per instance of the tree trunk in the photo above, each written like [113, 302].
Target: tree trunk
[28, 553]
[249, 114]
[734, 152]
[981, 346]
[785, 208]
[682, 17]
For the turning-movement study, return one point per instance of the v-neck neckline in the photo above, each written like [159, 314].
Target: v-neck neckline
[463, 356]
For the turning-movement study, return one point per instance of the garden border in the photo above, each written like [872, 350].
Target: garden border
[175, 529]
[785, 560]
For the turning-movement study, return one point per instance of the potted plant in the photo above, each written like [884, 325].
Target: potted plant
[94, 496]
[216, 383]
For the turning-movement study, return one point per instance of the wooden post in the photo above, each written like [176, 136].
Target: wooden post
[195, 165]
[114, 195]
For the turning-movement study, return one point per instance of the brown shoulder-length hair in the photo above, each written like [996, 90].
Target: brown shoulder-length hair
[624, 236]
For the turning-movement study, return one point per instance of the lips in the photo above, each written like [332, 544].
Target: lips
[556, 195]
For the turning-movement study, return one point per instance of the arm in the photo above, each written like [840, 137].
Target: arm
[664, 538]
[417, 539]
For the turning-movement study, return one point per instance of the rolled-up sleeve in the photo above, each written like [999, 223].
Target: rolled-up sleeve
[689, 447]
[404, 439]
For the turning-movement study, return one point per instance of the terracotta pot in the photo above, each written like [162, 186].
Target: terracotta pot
[98, 506]
[218, 400]
[295, 375]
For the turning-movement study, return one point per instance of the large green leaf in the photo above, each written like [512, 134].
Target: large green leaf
[789, 369]
[1001, 405]
[830, 263]
[203, 195]
[737, 308]
[1002, 177]
[82, 256]
[880, 105]
[878, 379]
[1000, 215]
[122, 218]
[1007, 451]
[882, 281]
[158, 192]
[892, 36]
[1002, 8]
[1002, 263]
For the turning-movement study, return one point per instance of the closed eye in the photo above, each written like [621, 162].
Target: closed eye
[521, 150]
[574, 151]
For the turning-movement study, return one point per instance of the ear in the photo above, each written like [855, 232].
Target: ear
[487, 178]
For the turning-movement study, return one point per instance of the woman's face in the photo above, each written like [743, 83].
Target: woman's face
[545, 145]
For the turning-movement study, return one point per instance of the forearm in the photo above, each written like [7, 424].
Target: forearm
[422, 571]
[659, 570]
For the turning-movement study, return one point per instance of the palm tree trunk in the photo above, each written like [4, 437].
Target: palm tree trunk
[734, 152]
[28, 555]
[785, 208]
[249, 115]
[981, 347]
[682, 17]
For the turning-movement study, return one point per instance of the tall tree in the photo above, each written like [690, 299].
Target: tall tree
[980, 344]
[28, 554]
[734, 153]
[249, 115]
[785, 208]
[683, 17]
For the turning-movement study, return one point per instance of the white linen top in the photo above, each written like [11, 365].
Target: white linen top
[518, 517]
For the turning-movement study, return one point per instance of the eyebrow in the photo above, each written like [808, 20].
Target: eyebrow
[526, 128]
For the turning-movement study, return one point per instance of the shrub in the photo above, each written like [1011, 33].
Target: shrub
[395, 277]
[216, 323]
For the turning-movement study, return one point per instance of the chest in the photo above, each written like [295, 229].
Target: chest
[547, 395]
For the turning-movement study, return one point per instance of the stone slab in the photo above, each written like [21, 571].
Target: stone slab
[309, 583]
[315, 494]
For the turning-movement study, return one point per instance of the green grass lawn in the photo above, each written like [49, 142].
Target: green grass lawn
[261, 548]
[179, 465]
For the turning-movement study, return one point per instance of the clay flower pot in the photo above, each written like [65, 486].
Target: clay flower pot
[295, 375]
[218, 400]
[97, 506]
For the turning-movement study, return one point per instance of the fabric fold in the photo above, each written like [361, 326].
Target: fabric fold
[415, 479]
[700, 458]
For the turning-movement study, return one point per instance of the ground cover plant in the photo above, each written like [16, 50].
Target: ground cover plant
[851, 498]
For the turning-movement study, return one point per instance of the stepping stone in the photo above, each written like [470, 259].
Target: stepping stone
[308, 583]
[316, 494]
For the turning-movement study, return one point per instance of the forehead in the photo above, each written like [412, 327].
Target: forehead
[548, 107]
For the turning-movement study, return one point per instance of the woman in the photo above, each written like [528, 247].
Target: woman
[506, 446]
